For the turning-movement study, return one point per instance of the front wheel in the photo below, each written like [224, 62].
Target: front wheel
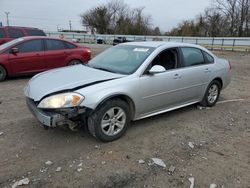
[3, 73]
[110, 121]
[212, 94]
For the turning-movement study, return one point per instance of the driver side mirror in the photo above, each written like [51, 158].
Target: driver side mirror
[156, 69]
[14, 50]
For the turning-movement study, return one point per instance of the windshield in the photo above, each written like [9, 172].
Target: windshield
[10, 43]
[123, 59]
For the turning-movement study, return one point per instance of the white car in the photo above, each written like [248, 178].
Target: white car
[127, 82]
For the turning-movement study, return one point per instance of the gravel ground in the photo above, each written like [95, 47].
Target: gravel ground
[220, 137]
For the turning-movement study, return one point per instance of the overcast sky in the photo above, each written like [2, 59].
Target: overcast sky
[50, 14]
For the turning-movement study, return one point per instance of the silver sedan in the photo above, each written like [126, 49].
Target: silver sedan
[127, 82]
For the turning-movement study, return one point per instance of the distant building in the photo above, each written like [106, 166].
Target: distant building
[73, 31]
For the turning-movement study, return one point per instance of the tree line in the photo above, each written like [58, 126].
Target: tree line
[117, 17]
[222, 18]
[227, 18]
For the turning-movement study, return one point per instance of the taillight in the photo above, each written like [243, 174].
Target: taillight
[88, 51]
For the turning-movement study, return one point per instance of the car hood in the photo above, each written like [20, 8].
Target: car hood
[66, 78]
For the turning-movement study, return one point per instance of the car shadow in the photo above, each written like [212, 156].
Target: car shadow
[17, 78]
[138, 124]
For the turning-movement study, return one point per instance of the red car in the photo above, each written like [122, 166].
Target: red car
[29, 55]
[8, 33]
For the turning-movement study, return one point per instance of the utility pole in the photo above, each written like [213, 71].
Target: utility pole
[7, 16]
[70, 25]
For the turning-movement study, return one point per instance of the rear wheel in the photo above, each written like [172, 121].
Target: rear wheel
[3, 73]
[75, 62]
[212, 94]
[110, 121]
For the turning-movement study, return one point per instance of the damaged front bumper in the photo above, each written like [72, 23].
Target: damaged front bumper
[51, 118]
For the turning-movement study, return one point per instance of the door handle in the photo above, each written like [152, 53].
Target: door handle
[177, 76]
[207, 70]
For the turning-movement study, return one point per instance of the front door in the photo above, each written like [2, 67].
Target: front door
[29, 58]
[160, 90]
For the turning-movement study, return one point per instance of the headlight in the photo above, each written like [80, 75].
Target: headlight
[61, 101]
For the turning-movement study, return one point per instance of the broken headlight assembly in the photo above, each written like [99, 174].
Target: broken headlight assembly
[64, 100]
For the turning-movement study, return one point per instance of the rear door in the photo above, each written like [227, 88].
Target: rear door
[194, 75]
[55, 53]
[30, 57]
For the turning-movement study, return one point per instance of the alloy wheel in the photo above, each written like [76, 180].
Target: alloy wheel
[113, 121]
[213, 93]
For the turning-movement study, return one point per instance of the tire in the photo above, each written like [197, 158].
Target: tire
[103, 123]
[74, 62]
[212, 94]
[3, 73]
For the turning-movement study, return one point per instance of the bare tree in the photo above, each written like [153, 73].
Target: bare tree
[97, 18]
[222, 18]
[116, 17]
[244, 6]
[118, 10]
[229, 9]
[215, 23]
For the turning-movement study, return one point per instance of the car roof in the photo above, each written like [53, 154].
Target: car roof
[156, 44]
[43, 37]
[19, 27]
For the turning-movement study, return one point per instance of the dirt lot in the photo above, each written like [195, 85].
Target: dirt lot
[221, 138]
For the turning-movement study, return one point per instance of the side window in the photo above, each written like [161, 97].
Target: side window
[34, 32]
[15, 33]
[210, 59]
[192, 56]
[55, 45]
[69, 45]
[30, 46]
[2, 33]
[167, 59]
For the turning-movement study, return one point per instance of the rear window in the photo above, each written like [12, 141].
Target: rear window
[55, 45]
[15, 33]
[192, 56]
[210, 59]
[33, 32]
[69, 45]
[2, 33]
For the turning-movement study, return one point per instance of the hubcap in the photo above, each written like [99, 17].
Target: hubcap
[213, 93]
[113, 121]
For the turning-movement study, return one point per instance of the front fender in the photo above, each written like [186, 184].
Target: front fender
[96, 94]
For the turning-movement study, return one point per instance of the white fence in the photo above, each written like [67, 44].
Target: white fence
[214, 43]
